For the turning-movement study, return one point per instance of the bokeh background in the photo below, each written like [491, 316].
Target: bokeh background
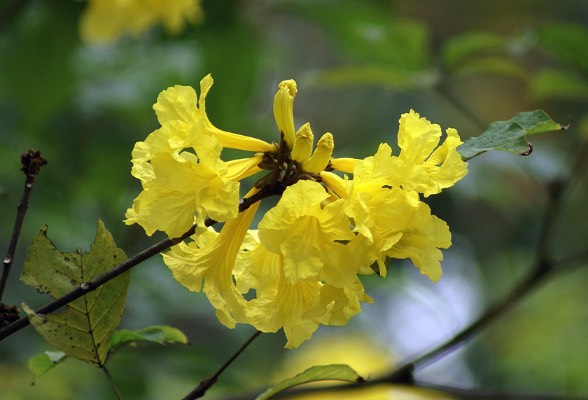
[358, 65]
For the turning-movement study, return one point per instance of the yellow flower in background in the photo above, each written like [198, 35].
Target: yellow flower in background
[363, 355]
[301, 267]
[104, 21]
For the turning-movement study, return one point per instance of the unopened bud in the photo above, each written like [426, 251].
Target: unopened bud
[303, 145]
[283, 110]
[321, 156]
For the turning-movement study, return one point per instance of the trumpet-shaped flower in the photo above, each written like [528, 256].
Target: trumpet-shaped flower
[301, 267]
[208, 265]
[184, 179]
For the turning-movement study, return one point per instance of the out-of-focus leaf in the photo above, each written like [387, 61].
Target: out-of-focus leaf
[334, 372]
[470, 45]
[84, 329]
[493, 65]
[567, 42]
[43, 362]
[368, 32]
[158, 334]
[509, 135]
[382, 76]
[554, 84]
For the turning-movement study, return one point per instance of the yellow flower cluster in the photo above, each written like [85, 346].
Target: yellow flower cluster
[104, 21]
[300, 267]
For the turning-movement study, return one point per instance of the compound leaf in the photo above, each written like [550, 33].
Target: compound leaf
[84, 329]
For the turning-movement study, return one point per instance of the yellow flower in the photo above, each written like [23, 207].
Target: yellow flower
[208, 264]
[104, 21]
[297, 306]
[368, 358]
[422, 165]
[183, 177]
[392, 222]
[305, 232]
[301, 268]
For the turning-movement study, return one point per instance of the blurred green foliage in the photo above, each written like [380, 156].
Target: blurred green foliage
[358, 65]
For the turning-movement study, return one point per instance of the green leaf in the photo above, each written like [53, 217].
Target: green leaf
[493, 65]
[509, 135]
[566, 42]
[157, 333]
[334, 372]
[553, 84]
[381, 75]
[43, 362]
[470, 45]
[84, 329]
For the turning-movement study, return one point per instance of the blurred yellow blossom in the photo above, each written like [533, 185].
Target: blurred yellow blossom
[369, 359]
[104, 21]
[301, 267]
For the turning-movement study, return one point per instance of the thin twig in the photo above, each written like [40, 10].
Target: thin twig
[542, 267]
[207, 383]
[31, 165]
[112, 384]
[461, 107]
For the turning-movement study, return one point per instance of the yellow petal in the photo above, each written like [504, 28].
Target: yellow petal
[244, 167]
[299, 228]
[344, 164]
[421, 243]
[422, 165]
[337, 184]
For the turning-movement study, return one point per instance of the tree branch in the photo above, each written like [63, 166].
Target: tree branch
[207, 383]
[89, 286]
[31, 165]
[138, 258]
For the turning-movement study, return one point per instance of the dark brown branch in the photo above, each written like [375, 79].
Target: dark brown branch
[89, 286]
[207, 383]
[541, 268]
[31, 166]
